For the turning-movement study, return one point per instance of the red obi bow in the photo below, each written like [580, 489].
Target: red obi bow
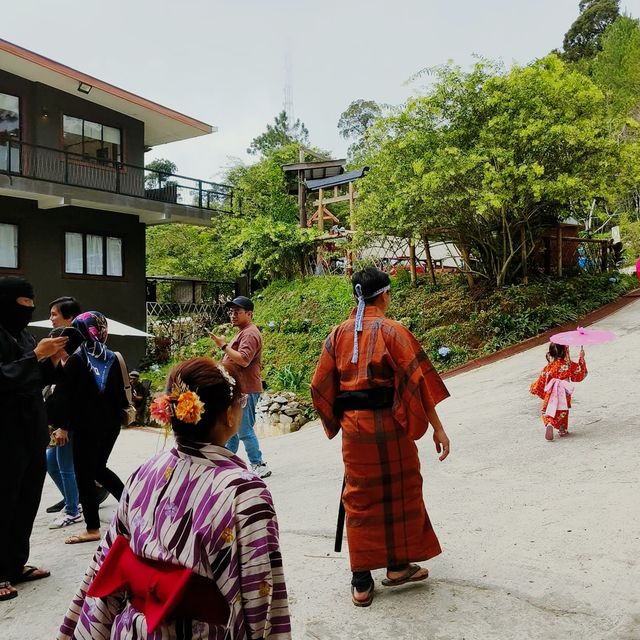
[159, 590]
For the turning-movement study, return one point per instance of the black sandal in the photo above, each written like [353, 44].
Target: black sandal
[29, 574]
[8, 596]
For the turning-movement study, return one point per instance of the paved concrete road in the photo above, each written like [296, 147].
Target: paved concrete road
[541, 540]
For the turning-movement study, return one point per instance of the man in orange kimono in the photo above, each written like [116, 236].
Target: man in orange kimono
[375, 383]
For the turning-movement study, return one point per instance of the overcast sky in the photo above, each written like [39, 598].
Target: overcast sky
[223, 61]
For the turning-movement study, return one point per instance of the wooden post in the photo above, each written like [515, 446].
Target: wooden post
[302, 193]
[523, 249]
[412, 262]
[559, 250]
[321, 210]
[352, 225]
[427, 251]
[351, 207]
[603, 245]
[302, 200]
[547, 255]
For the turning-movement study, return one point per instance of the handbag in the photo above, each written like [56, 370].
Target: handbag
[129, 412]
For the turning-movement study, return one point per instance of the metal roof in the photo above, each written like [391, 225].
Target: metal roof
[336, 181]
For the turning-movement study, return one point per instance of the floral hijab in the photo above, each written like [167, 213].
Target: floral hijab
[93, 327]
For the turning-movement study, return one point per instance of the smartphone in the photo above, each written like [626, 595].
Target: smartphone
[75, 338]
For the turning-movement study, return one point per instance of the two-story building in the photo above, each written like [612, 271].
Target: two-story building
[74, 194]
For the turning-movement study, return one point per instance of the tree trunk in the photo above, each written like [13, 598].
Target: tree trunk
[412, 262]
[467, 269]
[427, 250]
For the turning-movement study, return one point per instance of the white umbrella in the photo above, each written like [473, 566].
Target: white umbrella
[115, 328]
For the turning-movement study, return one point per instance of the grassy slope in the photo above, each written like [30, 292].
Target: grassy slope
[297, 316]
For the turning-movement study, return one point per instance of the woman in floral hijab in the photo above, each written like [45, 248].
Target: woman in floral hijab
[90, 402]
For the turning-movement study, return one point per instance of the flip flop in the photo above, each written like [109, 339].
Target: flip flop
[8, 596]
[79, 539]
[362, 603]
[30, 573]
[548, 433]
[409, 576]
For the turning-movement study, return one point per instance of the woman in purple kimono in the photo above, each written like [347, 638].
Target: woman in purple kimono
[193, 550]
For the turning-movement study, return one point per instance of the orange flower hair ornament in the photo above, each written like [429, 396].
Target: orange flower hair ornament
[181, 402]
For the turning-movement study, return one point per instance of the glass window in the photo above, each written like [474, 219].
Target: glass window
[9, 246]
[95, 256]
[74, 253]
[72, 134]
[114, 256]
[91, 139]
[9, 131]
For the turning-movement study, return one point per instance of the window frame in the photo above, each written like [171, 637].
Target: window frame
[93, 276]
[18, 169]
[18, 267]
[82, 156]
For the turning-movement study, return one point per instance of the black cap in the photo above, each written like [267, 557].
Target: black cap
[241, 301]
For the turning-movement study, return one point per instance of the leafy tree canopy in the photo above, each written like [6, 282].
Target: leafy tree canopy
[356, 120]
[486, 158]
[617, 67]
[186, 250]
[583, 38]
[279, 134]
[161, 169]
[264, 238]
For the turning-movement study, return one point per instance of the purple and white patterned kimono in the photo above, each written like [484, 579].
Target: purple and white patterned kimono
[202, 509]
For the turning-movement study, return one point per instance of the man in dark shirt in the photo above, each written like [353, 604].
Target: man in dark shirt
[23, 423]
[139, 395]
[245, 351]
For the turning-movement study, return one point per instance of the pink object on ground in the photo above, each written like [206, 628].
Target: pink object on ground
[581, 336]
[548, 434]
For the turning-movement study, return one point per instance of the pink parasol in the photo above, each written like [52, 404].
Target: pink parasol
[581, 336]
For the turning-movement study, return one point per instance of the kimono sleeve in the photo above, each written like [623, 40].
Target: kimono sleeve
[325, 386]
[538, 385]
[419, 388]
[88, 618]
[265, 603]
[578, 370]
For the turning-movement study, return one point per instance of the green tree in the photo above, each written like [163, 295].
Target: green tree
[279, 134]
[187, 250]
[582, 40]
[617, 67]
[159, 170]
[487, 158]
[264, 238]
[356, 120]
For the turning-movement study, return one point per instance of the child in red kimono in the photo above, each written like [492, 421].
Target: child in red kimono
[554, 386]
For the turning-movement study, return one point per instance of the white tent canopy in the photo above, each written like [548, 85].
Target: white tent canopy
[115, 328]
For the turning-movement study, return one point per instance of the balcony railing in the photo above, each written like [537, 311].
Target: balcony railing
[53, 165]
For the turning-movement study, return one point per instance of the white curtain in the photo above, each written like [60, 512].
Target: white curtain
[9, 246]
[73, 252]
[95, 258]
[114, 256]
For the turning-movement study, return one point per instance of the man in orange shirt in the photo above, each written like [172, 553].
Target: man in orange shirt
[245, 351]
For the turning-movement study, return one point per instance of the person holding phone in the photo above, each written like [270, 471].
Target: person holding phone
[24, 371]
[62, 311]
[89, 402]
